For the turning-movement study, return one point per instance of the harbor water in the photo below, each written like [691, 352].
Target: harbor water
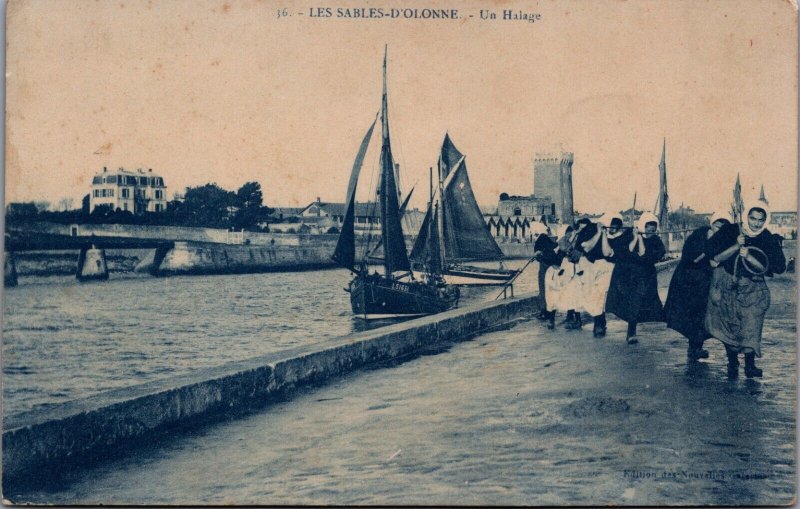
[64, 340]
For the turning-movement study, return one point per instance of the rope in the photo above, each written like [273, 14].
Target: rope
[748, 266]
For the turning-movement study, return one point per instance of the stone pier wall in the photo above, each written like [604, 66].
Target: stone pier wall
[81, 432]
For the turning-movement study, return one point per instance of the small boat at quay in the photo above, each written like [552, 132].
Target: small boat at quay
[464, 235]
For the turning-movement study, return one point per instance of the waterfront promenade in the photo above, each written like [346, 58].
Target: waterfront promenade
[522, 416]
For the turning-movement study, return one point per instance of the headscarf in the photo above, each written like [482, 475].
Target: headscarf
[750, 205]
[719, 216]
[646, 217]
[606, 219]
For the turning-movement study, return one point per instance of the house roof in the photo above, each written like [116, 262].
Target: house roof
[288, 211]
[368, 209]
[122, 171]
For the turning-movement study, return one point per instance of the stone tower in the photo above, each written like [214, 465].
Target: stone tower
[552, 178]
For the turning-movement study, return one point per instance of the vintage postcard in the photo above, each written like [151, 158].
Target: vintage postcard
[364, 252]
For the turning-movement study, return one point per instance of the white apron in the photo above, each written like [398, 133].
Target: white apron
[594, 285]
[563, 292]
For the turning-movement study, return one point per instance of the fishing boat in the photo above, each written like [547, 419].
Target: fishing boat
[396, 292]
[464, 234]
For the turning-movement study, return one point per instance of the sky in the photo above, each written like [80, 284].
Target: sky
[227, 91]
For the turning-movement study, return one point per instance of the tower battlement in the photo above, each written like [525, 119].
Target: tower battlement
[552, 176]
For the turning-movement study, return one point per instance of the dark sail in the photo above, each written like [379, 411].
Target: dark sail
[345, 252]
[466, 236]
[394, 246]
[449, 157]
[379, 244]
[464, 232]
[426, 246]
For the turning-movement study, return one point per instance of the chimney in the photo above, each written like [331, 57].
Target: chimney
[105, 169]
[319, 206]
[150, 170]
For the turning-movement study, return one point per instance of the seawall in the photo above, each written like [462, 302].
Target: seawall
[172, 233]
[39, 443]
[65, 262]
[194, 258]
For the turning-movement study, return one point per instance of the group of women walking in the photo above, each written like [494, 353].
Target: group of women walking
[718, 288]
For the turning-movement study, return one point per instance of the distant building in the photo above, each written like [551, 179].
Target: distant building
[552, 178]
[552, 192]
[525, 206]
[180, 197]
[784, 223]
[365, 213]
[285, 213]
[135, 191]
[367, 216]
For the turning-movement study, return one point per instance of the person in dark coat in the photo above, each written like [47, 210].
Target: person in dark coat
[687, 299]
[633, 294]
[739, 296]
[547, 254]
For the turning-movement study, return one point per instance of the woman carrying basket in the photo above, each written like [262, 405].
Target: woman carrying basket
[739, 297]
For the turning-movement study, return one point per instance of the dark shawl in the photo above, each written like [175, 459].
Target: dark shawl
[548, 257]
[765, 241]
[633, 294]
[687, 300]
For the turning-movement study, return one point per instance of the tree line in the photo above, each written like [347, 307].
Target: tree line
[208, 206]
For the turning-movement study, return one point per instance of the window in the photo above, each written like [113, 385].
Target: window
[97, 193]
[125, 194]
[97, 180]
[131, 181]
[142, 181]
[111, 193]
[125, 205]
[111, 179]
[158, 194]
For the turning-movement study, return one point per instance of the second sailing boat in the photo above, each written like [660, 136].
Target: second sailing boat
[463, 234]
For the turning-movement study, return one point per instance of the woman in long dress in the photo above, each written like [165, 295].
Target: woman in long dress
[548, 255]
[597, 269]
[562, 281]
[633, 294]
[739, 296]
[687, 299]
[584, 251]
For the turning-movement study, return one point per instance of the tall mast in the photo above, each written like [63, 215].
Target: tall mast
[662, 205]
[440, 220]
[394, 248]
[430, 220]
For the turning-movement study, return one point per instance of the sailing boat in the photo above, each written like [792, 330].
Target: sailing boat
[396, 292]
[464, 234]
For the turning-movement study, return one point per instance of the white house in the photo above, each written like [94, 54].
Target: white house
[135, 191]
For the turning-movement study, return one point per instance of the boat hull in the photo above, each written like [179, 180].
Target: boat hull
[375, 297]
[466, 275]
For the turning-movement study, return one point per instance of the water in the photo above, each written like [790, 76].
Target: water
[64, 340]
[526, 416]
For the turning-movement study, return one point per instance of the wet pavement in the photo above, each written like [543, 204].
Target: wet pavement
[522, 416]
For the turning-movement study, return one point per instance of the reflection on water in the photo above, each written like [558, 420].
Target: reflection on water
[64, 340]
